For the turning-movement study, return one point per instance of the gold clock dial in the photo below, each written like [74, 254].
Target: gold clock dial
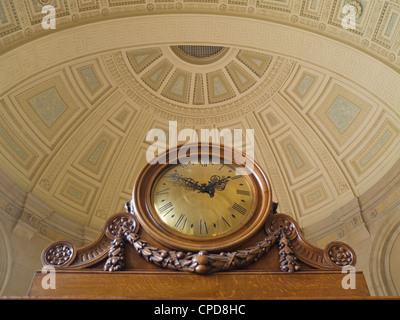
[203, 199]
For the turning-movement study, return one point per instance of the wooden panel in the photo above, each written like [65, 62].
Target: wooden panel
[177, 285]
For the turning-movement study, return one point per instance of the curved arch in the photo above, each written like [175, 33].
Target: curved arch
[5, 259]
[379, 260]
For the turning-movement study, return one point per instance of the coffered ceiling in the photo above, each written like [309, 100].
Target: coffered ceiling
[376, 32]
[77, 102]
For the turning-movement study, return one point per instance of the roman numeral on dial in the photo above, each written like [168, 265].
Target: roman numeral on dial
[162, 192]
[239, 208]
[226, 222]
[243, 192]
[203, 227]
[165, 207]
[180, 220]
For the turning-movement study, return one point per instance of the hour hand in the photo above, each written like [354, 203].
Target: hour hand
[189, 183]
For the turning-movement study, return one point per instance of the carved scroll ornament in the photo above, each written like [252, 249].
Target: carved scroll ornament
[123, 228]
[293, 244]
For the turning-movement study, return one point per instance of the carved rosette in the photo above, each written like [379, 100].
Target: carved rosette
[115, 224]
[280, 224]
[59, 254]
[339, 254]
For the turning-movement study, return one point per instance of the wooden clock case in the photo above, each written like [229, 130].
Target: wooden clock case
[149, 220]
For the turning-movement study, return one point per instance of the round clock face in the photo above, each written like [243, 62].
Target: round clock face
[203, 199]
[199, 205]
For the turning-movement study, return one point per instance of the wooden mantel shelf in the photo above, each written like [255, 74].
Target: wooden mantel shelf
[165, 285]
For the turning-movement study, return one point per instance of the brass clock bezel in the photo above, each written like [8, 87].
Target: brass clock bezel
[155, 228]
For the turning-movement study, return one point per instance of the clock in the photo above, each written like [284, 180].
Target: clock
[203, 204]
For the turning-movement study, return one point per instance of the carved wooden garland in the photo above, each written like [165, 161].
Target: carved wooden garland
[123, 228]
[201, 262]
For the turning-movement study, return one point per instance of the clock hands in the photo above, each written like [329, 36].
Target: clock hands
[189, 183]
[215, 183]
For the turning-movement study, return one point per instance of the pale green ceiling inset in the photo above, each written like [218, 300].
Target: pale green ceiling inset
[392, 23]
[156, 76]
[3, 16]
[295, 157]
[255, 61]
[314, 196]
[11, 143]
[305, 84]
[73, 189]
[218, 87]
[34, 9]
[387, 31]
[123, 116]
[48, 105]
[38, 4]
[240, 77]
[94, 159]
[141, 59]
[90, 78]
[178, 87]
[342, 113]
[10, 21]
[88, 5]
[14, 148]
[376, 147]
[271, 119]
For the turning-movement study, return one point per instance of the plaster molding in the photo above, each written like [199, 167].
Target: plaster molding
[375, 31]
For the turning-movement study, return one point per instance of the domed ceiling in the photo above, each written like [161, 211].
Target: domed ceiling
[77, 103]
